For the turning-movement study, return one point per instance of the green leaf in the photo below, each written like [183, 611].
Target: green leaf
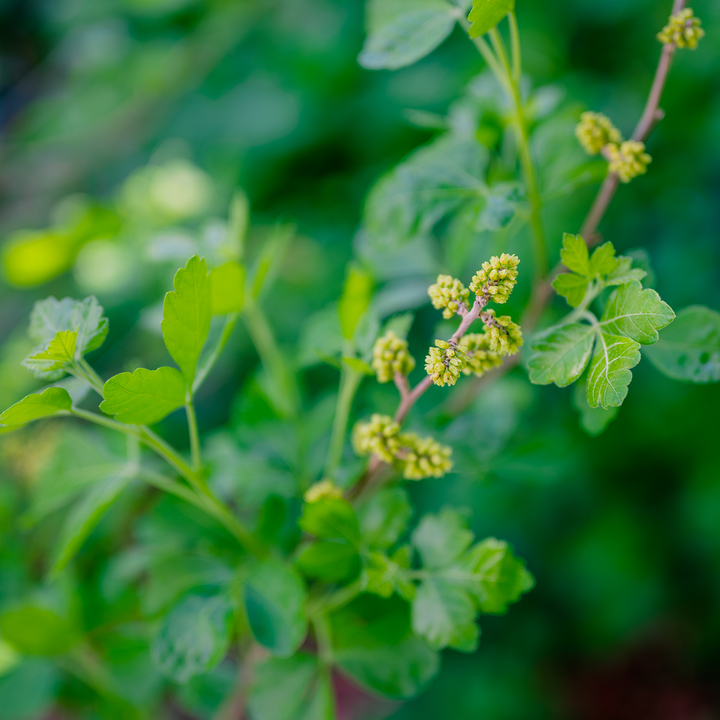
[329, 560]
[443, 613]
[331, 519]
[275, 606]
[373, 645]
[689, 349]
[387, 575]
[227, 288]
[144, 397]
[193, 637]
[295, 688]
[486, 14]
[625, 272]
[441, 539]
[384, 517]
[603, 260]
[498, 577]
[501, 202]
[637, 313]
[594, 421]
[355, 299]
[433, 182]
[186, 316]
[29, 689]
[561, 354]
[572, 287]
[32, 407]
[609, 376]
[81, 520]
[358, 365]
[575, 256]
[401, 33]
[34, 630]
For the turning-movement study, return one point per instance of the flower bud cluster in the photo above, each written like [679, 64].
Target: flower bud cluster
[596, 130]
[417, 457]
[444, 362]
[480, 358]
[683, 30]
[448, 293]
[503, 335]
[497, 278]
[323, 490]
[629, 160]
[390, 356]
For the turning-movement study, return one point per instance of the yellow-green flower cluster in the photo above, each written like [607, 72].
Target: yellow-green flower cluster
[377, 437]
[596, 130]
[424, 457]
[503, 335]
[323, 490]
[480, 358]
[448, 293]
[444, 362]
[417, 457]
[683, 30]
[629, 160]
[390, 356]
[497, 278]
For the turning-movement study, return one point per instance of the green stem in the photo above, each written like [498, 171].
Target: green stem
[349, 383]
[228, 328]
[324, 639]
[194, 436]
[515, 48]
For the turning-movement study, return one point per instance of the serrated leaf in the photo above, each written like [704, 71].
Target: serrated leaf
[486, 14]
[36, 406]
[187, 312]
[575, 256]
[689, 349]
[637, 313]
[275, 607]
[400, 33]
[624, 272]
[594, 421]
[561, 354]
[59, 354]
[384, 517]
[227, 288]
[609, 375]
[82, 518]
[442, 538]
[572, 287]
[295, 688]
[50, 316]
[386, 575]
[193, 637]
[144, 397]
[603, 260]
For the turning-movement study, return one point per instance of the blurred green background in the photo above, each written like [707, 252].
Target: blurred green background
[125, 127]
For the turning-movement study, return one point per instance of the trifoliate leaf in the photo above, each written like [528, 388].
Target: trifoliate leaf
[690, 348]
[49, 316]
[144, 397]
[386, 575]
[59, 354]
[624, 272]
[572, 287]
[186, 316]
[561, 354]
[401, 33]
[35, 406]
[609, 376]
[441, 539]
[227, 288]
[275, 607]
[384, 517]
[637, 313]
[603, 260]
[486, 14]
[575, 256]
[193, 637]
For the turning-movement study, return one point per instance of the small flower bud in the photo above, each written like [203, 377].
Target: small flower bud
[629, 160]
[449, 293]
[596, 130]
[424, 457]
[497, 278]
[323, 490]
[503, 335]
[377, 437]
[480, 358]
[445, 362]
[683, 30]
[390, 356]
